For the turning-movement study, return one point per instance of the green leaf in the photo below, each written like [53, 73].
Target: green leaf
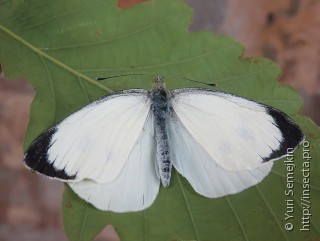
[60, 47]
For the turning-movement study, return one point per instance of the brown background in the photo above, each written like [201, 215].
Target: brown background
[286, 31]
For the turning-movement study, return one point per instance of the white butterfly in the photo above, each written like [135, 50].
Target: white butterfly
[115, 151]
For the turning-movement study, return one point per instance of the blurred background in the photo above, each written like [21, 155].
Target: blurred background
[286, 31]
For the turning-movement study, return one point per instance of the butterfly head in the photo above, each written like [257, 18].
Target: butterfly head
[158, 84]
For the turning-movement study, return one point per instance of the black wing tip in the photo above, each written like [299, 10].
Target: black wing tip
[292, 134]
[44, 167]
[36, 157]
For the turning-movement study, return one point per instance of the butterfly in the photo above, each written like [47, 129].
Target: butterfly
[115, 152]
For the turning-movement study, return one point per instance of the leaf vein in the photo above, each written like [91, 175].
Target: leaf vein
[297, 181]
[84, 90]
[189, 210]
[106, 41]
[311, 221]
[83, 223]
[57, 16]
[54, 107]
[237, 218]
[190, 59]
[272, 212]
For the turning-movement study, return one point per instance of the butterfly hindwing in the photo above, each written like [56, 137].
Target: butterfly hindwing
[137, 185]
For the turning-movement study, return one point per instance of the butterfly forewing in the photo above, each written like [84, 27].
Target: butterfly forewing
[238, 134]
[202, 171]
[93, 143]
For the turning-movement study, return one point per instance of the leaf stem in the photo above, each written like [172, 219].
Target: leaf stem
[53, 60]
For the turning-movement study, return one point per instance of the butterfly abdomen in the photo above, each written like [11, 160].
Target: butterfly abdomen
[160, 111]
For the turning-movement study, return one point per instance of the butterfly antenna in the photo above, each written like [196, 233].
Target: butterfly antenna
[163, 76]
[122, 75]
[200, 82]
[192, 80]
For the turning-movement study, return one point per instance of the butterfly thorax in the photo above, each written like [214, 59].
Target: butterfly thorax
[160, 110]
